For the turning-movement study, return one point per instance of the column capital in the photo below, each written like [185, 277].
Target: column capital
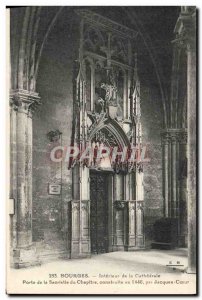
[119, 204]
[173, 135]
[185, 28]
[24, 101]
[165, 138]
[140, 204]
[12, 103]
[182, 137]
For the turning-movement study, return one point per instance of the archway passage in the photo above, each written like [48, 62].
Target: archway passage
[99, 212]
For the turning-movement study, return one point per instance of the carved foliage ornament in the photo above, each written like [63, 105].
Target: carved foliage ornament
[119, 205]
[24, 101]
[174, 137]
[54, 135]
[185, 28]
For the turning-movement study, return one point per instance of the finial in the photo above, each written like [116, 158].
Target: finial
[135, 67]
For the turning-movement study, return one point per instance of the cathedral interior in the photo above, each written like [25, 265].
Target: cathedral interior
[111, 76]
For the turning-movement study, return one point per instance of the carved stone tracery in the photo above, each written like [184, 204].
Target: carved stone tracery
[104, 106]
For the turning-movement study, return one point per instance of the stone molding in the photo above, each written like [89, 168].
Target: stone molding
[24, 101]
[119, 204]
[185, 28]
[97, 19]
[174, 136]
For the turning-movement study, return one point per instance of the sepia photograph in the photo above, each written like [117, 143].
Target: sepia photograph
[102, 145]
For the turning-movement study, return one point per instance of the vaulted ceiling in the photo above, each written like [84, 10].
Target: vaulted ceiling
[30, 28]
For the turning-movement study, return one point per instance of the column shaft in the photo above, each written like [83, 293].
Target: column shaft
[183, 194]
[23, 214]
[130, 241]
[29, 165]
[191, 114]
[140, 240]
[80, 239]
[23, 252]
[119, 212]
[185, 30]
[166, 178]
[13, 174]
[174, 204]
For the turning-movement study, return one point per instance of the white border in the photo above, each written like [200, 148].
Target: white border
[3, 97]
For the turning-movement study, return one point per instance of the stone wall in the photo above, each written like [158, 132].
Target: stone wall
[54, 84]
[152, 122]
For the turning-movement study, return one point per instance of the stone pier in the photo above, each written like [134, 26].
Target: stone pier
[185, 30]
[23, 103]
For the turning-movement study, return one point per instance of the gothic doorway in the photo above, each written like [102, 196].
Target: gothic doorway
[99, 212]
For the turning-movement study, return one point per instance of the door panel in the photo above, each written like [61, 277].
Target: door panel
[99, 212]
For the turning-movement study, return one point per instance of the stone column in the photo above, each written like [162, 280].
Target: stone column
[80, 239]
[119, 206]
[110, 211]
[28, 171]
[25, 102]
[185, 30]
[182, 188]
[23, 212]
[75, 212]
[140, 238]
[130, 243]
[174, 203]
[191, 153]
[13, 171]
[174, 182]
[165, 146]
[76, 182]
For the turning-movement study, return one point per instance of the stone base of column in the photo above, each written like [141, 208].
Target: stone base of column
[140, 242]
[129, 248]
[118, 248]
[80, 249]
[80, 240]
[191, 270]
[182, 241]
[75, 254]
[82, 255]
[133, 248]
[24, 257]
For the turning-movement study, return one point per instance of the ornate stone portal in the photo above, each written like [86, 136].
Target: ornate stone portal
[106, 112]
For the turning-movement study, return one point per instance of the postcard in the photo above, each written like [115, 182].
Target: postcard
[102, 150]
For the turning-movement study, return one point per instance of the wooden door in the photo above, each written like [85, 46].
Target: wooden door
[98, 212]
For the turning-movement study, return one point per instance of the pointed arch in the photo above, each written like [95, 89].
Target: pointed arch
[114, 129]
